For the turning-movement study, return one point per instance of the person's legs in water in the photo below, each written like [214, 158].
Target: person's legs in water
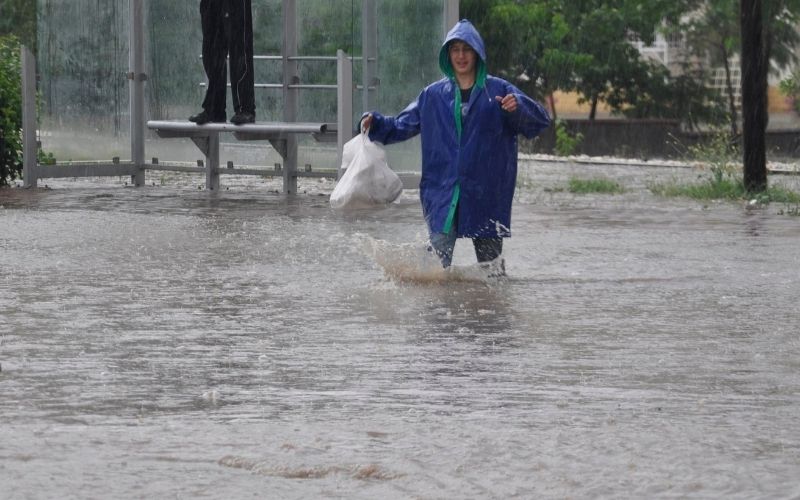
[443, 244]
[488, 250]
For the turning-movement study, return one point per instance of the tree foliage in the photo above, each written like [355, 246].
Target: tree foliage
[585, 46]
[17, 26]
[530, 43]
[10, 110]
[603, 31]
[684, 97]
[780, 32]
[18, 18]
[714, 36]
[576, 45]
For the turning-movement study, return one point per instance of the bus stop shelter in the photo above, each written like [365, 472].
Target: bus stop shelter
[106, 70]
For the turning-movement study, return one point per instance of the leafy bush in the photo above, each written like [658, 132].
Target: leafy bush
[721, 156]
[790, 87]
[566, 143]
[720, 153]
[10, 111]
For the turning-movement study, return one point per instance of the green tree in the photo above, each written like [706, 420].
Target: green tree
[10, 110]
[18, 17]
[657, 94]
[530, 43]
[17, 27]
[603, 31]
[714, 36]
[585, 46]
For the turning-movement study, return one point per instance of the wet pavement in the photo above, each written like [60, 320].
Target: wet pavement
[170, 342]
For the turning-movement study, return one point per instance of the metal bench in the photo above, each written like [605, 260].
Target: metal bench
[281, 135]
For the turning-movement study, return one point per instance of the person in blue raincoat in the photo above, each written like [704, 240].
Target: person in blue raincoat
[469, 122]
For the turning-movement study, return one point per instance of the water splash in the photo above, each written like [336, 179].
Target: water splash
[414, 263]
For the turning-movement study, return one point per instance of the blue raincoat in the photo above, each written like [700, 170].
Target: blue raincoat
[470, 162]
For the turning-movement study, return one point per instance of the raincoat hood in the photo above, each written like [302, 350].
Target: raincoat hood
[465, 32]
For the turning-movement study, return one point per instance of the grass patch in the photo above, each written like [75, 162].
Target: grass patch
[597, 185]
[781, 195]
[713, 189]
[724, 188]
[723, 159]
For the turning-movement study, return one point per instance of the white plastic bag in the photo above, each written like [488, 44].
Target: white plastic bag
[368, 180]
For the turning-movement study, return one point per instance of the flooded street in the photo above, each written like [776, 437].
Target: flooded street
[168, 342]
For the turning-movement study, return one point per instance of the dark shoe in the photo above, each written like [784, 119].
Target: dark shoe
[204, 117]
[243, 117]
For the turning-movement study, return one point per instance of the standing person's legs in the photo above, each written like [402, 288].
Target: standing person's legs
[488, 250]
[443, 245]
[215, 51]
[239, 29]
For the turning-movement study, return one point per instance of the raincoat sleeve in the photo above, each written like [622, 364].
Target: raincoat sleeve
[530, 118]
[391, 129]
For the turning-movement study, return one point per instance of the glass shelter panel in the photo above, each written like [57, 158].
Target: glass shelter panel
[410, 34]
[83, 64]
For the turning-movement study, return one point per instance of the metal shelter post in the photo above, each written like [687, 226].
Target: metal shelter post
[29, 149]
[137, 77]
[344, 105]
[450, 17]
[369, 52]
[289, 93]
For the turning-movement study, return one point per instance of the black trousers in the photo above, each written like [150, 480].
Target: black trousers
[487, 249]
[228, 32]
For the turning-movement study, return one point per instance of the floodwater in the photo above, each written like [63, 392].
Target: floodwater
[168, 342]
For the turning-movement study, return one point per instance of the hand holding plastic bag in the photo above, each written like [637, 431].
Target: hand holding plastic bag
[368, 180]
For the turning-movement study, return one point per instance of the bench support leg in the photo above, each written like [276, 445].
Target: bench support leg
[210, 148]
[287, 148]
[290, 166]
[212, 168]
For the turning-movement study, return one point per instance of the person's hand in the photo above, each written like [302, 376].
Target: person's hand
[508, 102]
[366, 122]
